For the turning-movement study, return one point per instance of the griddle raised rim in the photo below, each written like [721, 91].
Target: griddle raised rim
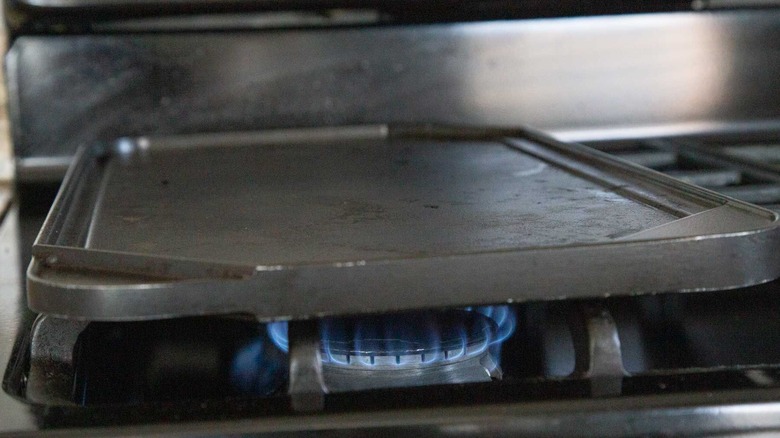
[79, 283]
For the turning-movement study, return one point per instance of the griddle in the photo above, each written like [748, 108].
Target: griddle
[302, 223]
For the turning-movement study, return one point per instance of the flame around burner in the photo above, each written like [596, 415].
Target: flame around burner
[278, 333]
[257, 369]
[504, 318]
[411, 339]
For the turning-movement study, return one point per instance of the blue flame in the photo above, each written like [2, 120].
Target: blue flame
[256, 370]
[385, 341]
[409, 338]
[277, 331]
[505, 319]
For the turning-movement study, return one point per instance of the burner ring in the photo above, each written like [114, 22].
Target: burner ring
[406, 341]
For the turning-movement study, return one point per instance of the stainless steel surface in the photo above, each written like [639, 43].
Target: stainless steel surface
[467, 370]
[736, 166]
[418, 349]
[727, 4]
[590, 77]
[761, 156]
[41, 169]
[660, 74]
[651, 159]
[53, 5]
[598, 355]
[429, 217]
[307, 386]
[763, 153]
[292, 204]
[709, 178]
[689, 413]
[755, 193]
[255, 21]
[58, 17]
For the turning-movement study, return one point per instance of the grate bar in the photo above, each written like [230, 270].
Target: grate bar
[597, 349]
[651, 159]
[755, 193]
[708, 177]
[764, 153]
[307, 387]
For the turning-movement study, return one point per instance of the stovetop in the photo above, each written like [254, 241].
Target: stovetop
[671, 362]
[693, 364]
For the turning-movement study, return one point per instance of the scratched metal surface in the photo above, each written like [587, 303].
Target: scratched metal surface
[363, 200]
[664, 72]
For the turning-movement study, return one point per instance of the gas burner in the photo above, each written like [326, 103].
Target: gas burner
[405, 341]
[411, 349]
[258, 368]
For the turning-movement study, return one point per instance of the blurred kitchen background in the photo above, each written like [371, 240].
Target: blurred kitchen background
[6, 168]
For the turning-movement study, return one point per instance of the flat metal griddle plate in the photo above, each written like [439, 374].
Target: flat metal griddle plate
[313, 222]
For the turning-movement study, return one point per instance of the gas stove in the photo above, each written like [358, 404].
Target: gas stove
[621, 358]
[619, 348]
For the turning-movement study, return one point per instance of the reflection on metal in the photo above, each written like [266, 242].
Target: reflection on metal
[597, 350]
[266, 20]
[733, 4]
[41, 169]
[642, 131]
[687, 57]
[307, 386]
[658, 72]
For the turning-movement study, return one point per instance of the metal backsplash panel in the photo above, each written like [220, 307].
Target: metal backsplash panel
[682, 71]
